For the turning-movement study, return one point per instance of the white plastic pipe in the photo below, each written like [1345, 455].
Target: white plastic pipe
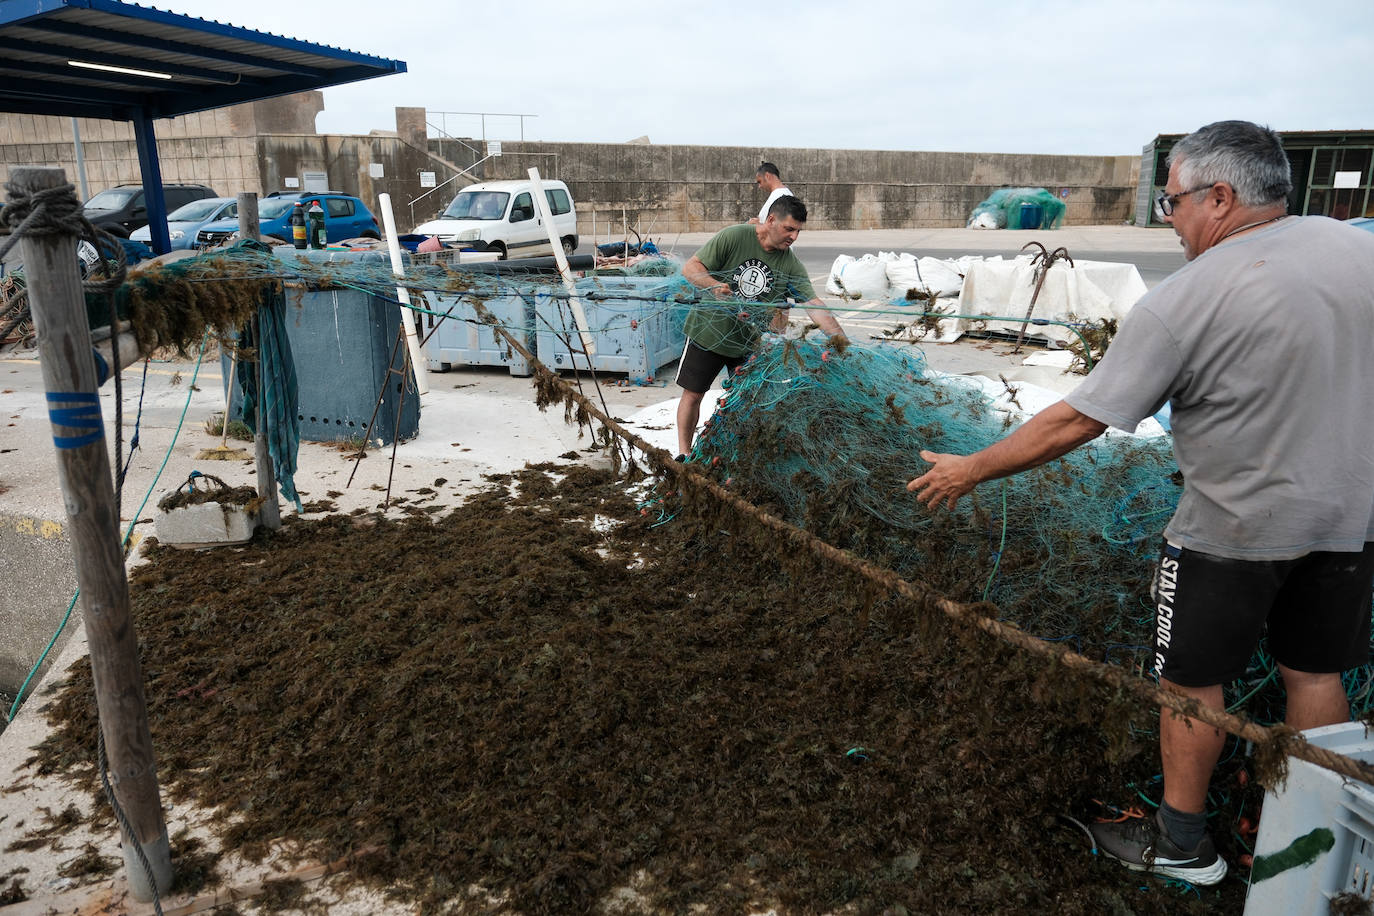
[418, 360]
[561, 259]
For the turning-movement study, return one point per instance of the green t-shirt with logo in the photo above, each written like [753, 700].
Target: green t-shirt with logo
[734, 256]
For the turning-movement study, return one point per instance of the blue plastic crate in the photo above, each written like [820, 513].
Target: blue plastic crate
[463, 339]
[343, 342]
[635, 327]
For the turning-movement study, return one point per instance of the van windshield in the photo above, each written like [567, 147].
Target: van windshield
[478, 205]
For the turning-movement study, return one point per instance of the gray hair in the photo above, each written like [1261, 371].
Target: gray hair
[1246, 156]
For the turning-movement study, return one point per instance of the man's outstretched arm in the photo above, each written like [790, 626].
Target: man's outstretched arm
[816, 310]
[1056, 430]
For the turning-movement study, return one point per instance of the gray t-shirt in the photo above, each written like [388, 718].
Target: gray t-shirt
[1264, 348]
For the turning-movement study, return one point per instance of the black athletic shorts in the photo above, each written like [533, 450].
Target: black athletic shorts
[1211, 611]
[698, 367]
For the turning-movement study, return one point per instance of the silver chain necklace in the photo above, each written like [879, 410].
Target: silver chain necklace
[1272, 219]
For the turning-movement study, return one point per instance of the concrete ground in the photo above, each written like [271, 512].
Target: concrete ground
[473, 422]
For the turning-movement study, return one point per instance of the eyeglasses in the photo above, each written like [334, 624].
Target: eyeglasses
[1164, 203]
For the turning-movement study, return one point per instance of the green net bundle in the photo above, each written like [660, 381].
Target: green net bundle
[1019, 208]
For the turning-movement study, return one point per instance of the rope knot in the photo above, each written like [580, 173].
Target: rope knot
[51, 211]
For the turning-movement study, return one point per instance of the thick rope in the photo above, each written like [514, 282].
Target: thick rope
[1283, 738]
[57, 211]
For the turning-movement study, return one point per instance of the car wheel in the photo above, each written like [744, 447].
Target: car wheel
[500, 250]
[568, 246]
[369, 234]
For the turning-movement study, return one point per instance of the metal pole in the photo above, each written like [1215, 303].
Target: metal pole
[80, 161]
[153, 200]
[83, 471]
[270, 513]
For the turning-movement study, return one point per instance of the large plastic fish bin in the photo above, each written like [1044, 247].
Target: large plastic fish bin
[460, 338]
[343, 342]
[635, 325]
[1316, 832]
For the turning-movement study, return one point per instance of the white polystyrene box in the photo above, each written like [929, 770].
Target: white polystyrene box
[205, 525]
[1323, 824]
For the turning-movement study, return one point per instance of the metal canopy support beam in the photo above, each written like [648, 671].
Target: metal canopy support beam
[151, 169]
[212, 64]
[200, 52]
[51, 89]
[131, 60]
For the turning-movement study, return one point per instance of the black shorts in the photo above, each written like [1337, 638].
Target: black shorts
[698, 367]
[1210, 612]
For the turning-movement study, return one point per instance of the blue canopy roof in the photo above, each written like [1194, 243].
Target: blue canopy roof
[53, 54]
[125, 62]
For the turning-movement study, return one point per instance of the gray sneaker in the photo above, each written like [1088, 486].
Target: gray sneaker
[1143, 845]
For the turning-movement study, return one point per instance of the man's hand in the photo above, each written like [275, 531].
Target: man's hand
[950, 477]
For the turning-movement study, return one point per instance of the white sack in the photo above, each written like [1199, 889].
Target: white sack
[865, 278]
[832, 283]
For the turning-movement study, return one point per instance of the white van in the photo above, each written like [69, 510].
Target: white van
[500, 216]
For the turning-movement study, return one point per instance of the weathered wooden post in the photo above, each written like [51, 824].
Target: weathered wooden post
[270, 513]
[83, 470]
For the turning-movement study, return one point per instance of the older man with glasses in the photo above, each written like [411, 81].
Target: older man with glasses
[1261, 345]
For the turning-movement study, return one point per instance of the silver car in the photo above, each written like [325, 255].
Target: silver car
[185, 221]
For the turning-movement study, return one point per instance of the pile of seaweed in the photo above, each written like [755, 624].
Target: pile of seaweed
[546, 702]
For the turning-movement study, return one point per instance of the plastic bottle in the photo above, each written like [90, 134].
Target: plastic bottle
[297, 223]
[319, 235]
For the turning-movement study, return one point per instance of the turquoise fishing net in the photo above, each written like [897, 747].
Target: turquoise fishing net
[829, 440]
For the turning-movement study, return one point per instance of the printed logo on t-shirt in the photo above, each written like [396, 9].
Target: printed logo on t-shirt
[752, 279]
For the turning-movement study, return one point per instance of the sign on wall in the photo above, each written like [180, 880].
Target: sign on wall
[314, 182]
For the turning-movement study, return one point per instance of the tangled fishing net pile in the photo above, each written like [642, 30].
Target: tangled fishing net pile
[827, 438]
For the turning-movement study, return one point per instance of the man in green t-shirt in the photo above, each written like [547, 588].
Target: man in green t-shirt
[745, 264]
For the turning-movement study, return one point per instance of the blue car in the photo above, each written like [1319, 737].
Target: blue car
[345, 217]
[1363, 222]
[185, 221]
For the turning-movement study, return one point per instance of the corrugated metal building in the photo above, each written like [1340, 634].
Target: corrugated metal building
[1331, 173]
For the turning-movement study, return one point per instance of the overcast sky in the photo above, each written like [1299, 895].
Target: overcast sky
[1045, 76]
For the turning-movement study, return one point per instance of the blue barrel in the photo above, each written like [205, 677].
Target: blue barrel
[1030, 216]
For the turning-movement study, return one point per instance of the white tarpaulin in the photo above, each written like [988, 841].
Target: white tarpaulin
[1090, 291]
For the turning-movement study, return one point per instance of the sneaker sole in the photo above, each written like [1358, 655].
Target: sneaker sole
[1206, 877]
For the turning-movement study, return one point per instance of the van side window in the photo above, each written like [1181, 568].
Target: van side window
[338, 206]
[558, 201]
[525, 202]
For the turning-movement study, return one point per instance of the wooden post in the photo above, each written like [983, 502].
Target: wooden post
[83, 470]
[270, 513]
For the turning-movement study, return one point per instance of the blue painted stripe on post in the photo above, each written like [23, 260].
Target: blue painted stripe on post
[76, 410]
